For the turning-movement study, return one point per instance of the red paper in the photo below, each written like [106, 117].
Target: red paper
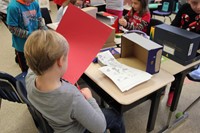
[86, 36]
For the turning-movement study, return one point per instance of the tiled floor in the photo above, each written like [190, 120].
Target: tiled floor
[15, 118]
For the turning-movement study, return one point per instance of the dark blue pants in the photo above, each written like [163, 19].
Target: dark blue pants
[22, 61]
[114, 121]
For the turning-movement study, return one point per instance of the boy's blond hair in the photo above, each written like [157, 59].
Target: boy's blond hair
[43, 48]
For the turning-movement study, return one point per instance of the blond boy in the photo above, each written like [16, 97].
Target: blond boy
[61, 103]
[65, 107]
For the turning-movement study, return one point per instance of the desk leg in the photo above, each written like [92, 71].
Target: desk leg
[179, 80]
[178, 84]
[155, 100]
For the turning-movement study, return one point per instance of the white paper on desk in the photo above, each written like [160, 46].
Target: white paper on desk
[123, 76]
[107, 59]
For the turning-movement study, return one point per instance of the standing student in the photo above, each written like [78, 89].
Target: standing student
[65, 107]
[138, 17]
[188, 17]
[58, 3]
[23, 17]
[64, 7]
[115, 7]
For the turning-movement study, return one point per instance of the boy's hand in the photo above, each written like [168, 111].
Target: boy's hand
[123, 22]
[86, 93]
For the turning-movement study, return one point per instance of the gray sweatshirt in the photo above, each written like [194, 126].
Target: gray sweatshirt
[65, 108]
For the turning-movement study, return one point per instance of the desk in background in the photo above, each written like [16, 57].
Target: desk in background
[179, 71]
[122, 102]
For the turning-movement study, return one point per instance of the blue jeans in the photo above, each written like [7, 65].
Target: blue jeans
[114, 121]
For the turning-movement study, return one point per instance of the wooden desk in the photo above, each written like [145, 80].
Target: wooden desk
[179, 71]
[122, 102]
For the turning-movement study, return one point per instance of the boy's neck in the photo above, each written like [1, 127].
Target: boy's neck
[48, 82]
[24, 2]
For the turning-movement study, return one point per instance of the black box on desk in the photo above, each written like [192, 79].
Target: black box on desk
[178, 44]
[140, 53]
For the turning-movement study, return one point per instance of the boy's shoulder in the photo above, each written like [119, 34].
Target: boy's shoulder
[185, 6]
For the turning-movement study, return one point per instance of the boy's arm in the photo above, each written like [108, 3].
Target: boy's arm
[129, 25]
[13, 15]
[18, 31]
[140, 26]
[41, 25]
[177, 20]
[88, 113]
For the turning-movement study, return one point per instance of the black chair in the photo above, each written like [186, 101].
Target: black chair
[12, 89]
[153, 22]
[165, 10]
[8, 88]
[40, 122]
[194, 75]
[46, 15]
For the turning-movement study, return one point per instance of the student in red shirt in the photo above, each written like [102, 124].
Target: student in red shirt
[138, 17]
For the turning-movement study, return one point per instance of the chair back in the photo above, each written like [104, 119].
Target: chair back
[194, 75]
[167, 6]
[40, 122]
[8, 88]
[153, 22]
[46, 15]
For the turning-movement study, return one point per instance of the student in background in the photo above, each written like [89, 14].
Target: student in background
[23, 17]
[65, 107]
[188, 17]
[115, 7]
[59, 3]
[138, 17]
[64, 7]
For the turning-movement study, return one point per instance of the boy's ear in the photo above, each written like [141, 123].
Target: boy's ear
[60, 61]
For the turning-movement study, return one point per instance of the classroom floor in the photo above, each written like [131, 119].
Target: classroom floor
[15, 118]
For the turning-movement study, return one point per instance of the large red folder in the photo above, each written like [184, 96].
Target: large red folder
[86, 36]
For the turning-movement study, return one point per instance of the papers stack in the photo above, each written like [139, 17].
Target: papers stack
[123, 76]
